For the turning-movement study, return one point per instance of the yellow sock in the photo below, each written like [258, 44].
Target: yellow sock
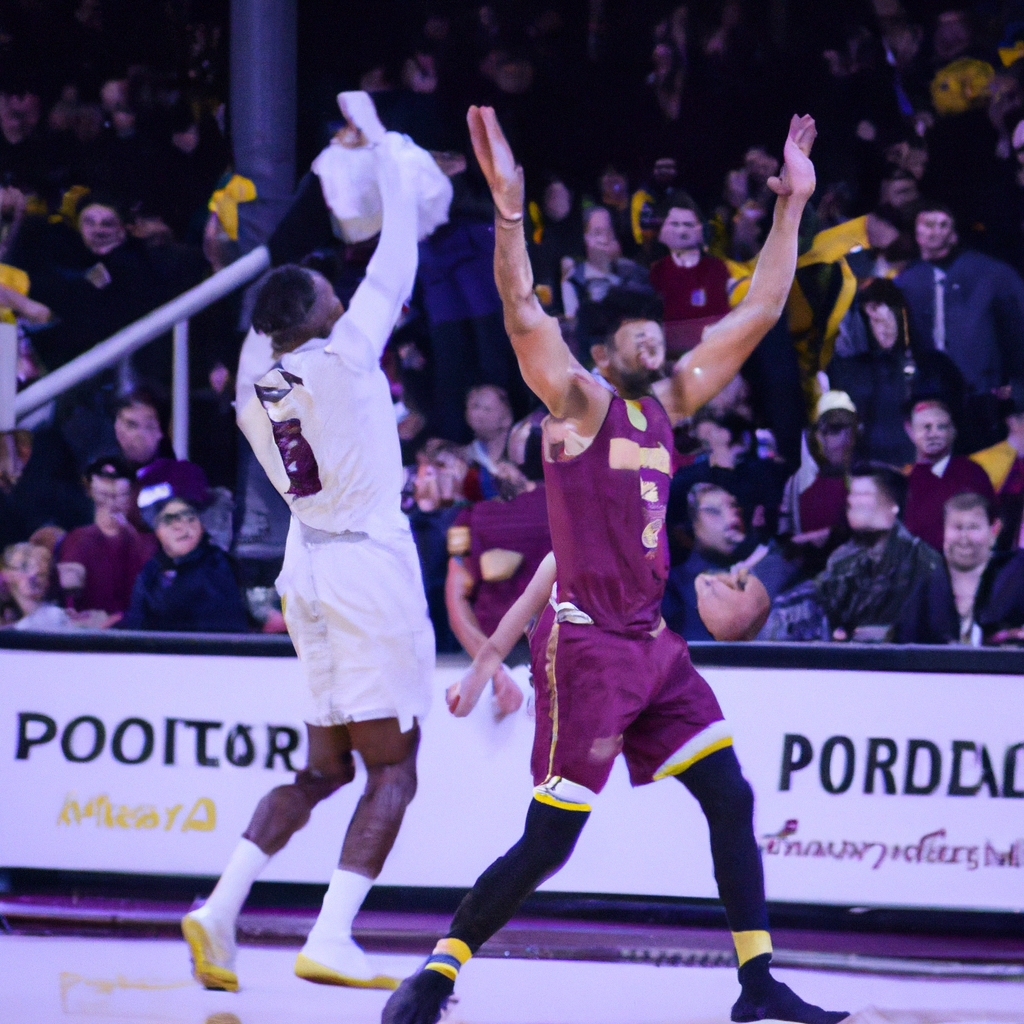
[449, 955]
[751, 944]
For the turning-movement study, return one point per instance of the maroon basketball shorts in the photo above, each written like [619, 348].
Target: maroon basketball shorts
[599, 694]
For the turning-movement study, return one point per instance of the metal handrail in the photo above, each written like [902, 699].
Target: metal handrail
[142, 332]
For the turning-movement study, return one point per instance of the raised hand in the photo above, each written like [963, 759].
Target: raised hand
[494, 154]
[359, 110]
[797, 178]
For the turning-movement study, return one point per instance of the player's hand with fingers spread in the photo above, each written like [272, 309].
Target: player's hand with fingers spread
[359, 110]
[494, 154]
[797, 178]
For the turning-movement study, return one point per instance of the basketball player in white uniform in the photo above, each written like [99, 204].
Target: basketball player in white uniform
[322, 424]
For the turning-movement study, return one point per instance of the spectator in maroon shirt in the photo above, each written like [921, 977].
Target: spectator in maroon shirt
[938, 474]
[692, 284]
[97, 564]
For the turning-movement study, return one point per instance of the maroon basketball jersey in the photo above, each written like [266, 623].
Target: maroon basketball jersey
[606, 508]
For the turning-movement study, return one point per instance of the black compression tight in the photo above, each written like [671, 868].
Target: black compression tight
[727, 801]
[546, 843]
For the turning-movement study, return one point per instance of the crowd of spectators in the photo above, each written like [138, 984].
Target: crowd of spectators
[867, 465]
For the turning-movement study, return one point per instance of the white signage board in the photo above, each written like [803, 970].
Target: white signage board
[873, 788]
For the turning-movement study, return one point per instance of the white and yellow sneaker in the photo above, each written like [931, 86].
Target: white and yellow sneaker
[339, 962]
[213, 950]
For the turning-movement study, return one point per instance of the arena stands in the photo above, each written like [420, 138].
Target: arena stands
[897, 365]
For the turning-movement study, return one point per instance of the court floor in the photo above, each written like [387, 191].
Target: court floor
[63, 979]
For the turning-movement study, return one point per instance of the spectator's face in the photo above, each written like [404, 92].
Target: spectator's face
[487, 415]
[138, 432]
[682, 229]
[968, 538]
[111, 497]
[952, 35]
[665, 171]
[932, 431]
[557, 201]
[439, 480]
[101, 228]
[718, 524]
[868, 508]
[599, 238]
[27, 575]
[19, 116]
[614, 188]
[634, 359]
[899, 192]
[882, 320]
[837, 437]
[178, 529]
[935, 234]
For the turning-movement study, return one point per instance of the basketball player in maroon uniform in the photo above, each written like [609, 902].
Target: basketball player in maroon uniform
[617, 680]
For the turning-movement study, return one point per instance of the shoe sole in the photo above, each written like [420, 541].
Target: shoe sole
[310, 970]
[207, 973]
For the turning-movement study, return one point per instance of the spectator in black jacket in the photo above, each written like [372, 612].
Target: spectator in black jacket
[188, 585]
[975, 595]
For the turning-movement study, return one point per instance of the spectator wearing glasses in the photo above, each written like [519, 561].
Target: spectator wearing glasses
[188, 585]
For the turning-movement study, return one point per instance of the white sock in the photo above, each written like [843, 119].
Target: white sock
[244, 867]
[342, 901]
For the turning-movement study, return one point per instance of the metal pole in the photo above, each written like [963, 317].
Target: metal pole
[180, 391]
[8, 374]
[262, 107]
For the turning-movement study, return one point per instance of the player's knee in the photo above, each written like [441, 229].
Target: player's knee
[392, 783]
[551, 834]
[316, 785]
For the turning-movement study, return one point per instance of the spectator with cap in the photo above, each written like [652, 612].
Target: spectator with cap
[814, 498]
[861, 593]
[938, 474]
[98, 564]
[188, 585]
[720, 545]
[693, 285]
[976, 594]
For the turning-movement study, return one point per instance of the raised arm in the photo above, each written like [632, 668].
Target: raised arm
[547, 365]
[725, 346]
[391, 272]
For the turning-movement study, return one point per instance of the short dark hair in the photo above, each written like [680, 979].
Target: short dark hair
[110, 200]
[888, 479]
[700, 490]
[600, 320]
[678, 201]
[147, 396]
[928, 206]
[969, 500]
[110, 467]
[284, 300]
